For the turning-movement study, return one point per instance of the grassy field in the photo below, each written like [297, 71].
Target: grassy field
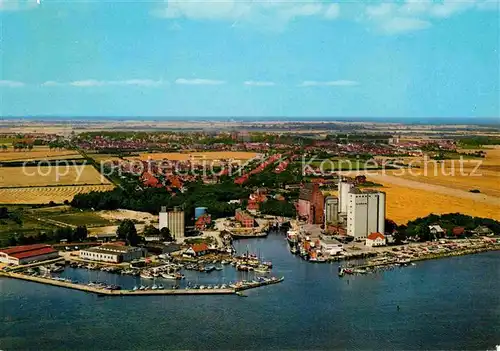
[50, 176]
[70, 216]
[199, 156]
[38, 153]
[28, 227]
[44, 195]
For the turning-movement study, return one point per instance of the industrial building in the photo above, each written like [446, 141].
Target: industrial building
[173, 220]
[343, 189]
[331, 210]
[112, 253]
[24, 254]
[311, 204]
[365, 213]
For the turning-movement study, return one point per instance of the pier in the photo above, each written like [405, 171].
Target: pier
[106, 292]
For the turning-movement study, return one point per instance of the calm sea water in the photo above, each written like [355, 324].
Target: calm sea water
[444, 304]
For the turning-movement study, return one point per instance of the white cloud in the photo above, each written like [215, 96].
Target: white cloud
[17, 5]
[51, 83]
[238, 11]
[99, 83]
[332, 11]
[198, 81]
[87, 83]
[404, 24]
[11, 84]
[413, 15]
[339, 83]
[257, 83]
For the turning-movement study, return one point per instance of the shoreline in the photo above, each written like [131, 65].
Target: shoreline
[429, 257]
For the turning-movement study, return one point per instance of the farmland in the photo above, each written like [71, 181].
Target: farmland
[44, 195]
[50, 176]
[38, 153]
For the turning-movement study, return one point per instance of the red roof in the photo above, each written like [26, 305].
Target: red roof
[200, 247]
[22, 248]
[374, 236]
[458, 230]
[33, 253]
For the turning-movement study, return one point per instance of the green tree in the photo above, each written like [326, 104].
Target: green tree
[165, 234]
[127, 231]
[151, 230]
[80, 233]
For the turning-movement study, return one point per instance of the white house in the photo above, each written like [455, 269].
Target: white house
[436, 229]
[375, 239]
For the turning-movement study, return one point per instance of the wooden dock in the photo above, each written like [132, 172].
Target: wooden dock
[106, 292]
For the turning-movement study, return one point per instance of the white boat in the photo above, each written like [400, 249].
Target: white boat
[146, 276]
[135, 288]
[160, 287]
[154, 287]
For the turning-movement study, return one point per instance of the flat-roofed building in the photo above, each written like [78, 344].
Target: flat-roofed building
[112, 253]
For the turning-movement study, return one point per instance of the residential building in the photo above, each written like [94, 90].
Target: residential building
[365, 213]
[375, 239]
[311, 204]
[203, 222]
[245, 218]
[197, 250]
[173, 220]
[112, 253]
[24, 254]
[436, 230]
[331, 210]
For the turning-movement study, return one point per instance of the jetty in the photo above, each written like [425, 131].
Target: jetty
[106, 292]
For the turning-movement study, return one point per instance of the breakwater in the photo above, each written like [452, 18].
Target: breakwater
[107, 292]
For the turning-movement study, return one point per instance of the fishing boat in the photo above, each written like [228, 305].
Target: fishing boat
[168, 276]
[209, 269]
[219, 268]
[262, 269]
[146, 275]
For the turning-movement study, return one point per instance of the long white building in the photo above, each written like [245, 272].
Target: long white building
[365, 213]
[173, 220]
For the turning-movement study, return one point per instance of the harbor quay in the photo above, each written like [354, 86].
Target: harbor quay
[107, 292]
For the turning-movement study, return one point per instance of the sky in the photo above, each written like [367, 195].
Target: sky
[416, 60]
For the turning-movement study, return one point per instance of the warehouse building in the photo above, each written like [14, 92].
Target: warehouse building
[24, 254]
[112, 253]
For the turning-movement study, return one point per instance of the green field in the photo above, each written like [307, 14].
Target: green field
[69, 216]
